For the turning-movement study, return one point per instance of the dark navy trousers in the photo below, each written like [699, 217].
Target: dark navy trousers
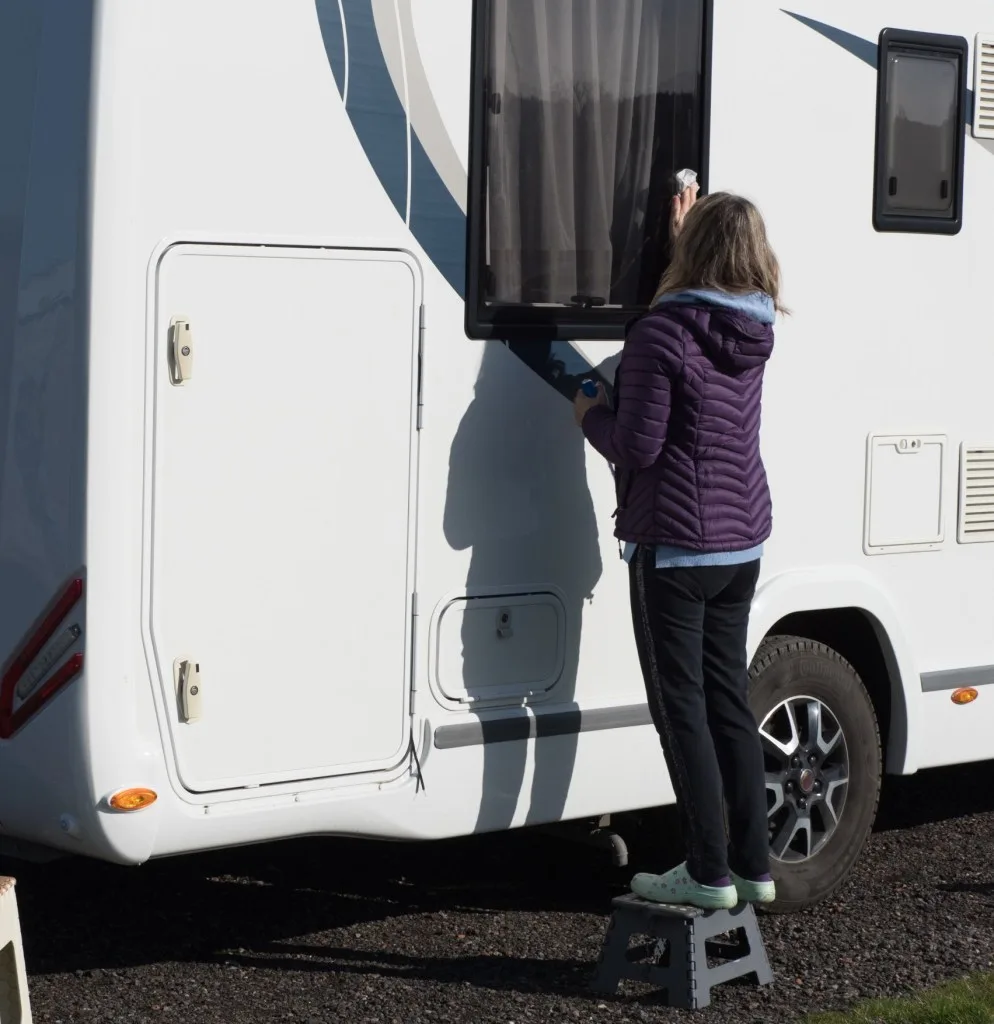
[690, 629]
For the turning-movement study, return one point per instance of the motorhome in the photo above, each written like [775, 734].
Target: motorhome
[297, 533]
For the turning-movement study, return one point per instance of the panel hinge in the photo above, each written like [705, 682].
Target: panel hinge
[414, 650]
[416, 767]
[421, 363]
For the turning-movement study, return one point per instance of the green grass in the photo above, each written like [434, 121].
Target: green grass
[969, 1001]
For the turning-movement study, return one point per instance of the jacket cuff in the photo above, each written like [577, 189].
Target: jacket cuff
[594, 418]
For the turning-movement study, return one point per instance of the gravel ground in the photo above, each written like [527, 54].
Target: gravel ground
[495, 929]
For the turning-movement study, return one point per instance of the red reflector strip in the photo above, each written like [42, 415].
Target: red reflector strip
[11, 721]
[61, 677]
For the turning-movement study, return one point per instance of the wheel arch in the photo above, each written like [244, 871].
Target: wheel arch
[849, 612]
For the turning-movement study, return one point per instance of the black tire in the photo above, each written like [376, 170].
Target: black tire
[787, 667]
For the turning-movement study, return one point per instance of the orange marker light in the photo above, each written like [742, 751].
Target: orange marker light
[964, 696]
[133, 799]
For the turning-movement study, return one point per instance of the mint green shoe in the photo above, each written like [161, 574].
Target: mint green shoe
[679, 888]
[754, 892]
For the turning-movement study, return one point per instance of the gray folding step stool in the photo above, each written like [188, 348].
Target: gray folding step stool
[679, 943]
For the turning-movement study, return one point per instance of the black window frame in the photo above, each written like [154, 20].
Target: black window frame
[924, 44]
[523, 323]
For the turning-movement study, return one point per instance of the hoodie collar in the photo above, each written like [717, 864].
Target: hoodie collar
[756, 305]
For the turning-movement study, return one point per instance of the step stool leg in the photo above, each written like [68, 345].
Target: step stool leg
[748, 953]
[698, 972]
[757, 949]
[679, 977]
[613, 959]
[15, 1005]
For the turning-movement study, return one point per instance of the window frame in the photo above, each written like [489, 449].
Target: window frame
[524, 323]
[925, 44]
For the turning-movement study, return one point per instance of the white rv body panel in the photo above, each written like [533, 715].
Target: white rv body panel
[333, 514]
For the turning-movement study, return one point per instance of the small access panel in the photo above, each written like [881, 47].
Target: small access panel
[283, 472]
[903, 508]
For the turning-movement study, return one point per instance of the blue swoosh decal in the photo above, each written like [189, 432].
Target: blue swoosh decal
[380, 123]
[378, 117]
[373, 106]
[333, 33]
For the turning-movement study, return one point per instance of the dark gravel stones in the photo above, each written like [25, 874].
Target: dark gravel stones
[501, 928]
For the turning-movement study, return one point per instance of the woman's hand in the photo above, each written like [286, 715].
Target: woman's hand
[582, 404]
[680, 207]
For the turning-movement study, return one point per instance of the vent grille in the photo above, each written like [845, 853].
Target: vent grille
[976, 494]
[983, 88]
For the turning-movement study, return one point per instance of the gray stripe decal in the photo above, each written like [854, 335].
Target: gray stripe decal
[953, 679]
[398, 41]
[520, 726]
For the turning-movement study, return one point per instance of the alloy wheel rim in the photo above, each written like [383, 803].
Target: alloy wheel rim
[807, 776]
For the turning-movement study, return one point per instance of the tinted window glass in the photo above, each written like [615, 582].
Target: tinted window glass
[588, 107]
[921, 133]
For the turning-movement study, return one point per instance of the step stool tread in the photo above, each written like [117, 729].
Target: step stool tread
[632, 902]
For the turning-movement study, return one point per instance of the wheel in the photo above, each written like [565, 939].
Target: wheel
[821, 746]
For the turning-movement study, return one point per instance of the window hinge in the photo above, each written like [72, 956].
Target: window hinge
[421, 365]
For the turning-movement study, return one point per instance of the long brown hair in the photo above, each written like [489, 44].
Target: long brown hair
[723, 245]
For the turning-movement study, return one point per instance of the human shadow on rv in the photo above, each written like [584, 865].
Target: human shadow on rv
[518, 502]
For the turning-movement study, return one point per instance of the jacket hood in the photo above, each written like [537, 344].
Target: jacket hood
[736, 331]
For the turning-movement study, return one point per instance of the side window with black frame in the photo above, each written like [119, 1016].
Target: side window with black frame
[921, 117]
[583, 110]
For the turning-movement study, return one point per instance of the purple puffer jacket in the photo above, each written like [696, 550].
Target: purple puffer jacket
[684, 437]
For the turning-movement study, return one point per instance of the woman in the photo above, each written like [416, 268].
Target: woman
[694, 510]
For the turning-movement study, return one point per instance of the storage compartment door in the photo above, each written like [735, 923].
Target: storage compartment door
[281, 526]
